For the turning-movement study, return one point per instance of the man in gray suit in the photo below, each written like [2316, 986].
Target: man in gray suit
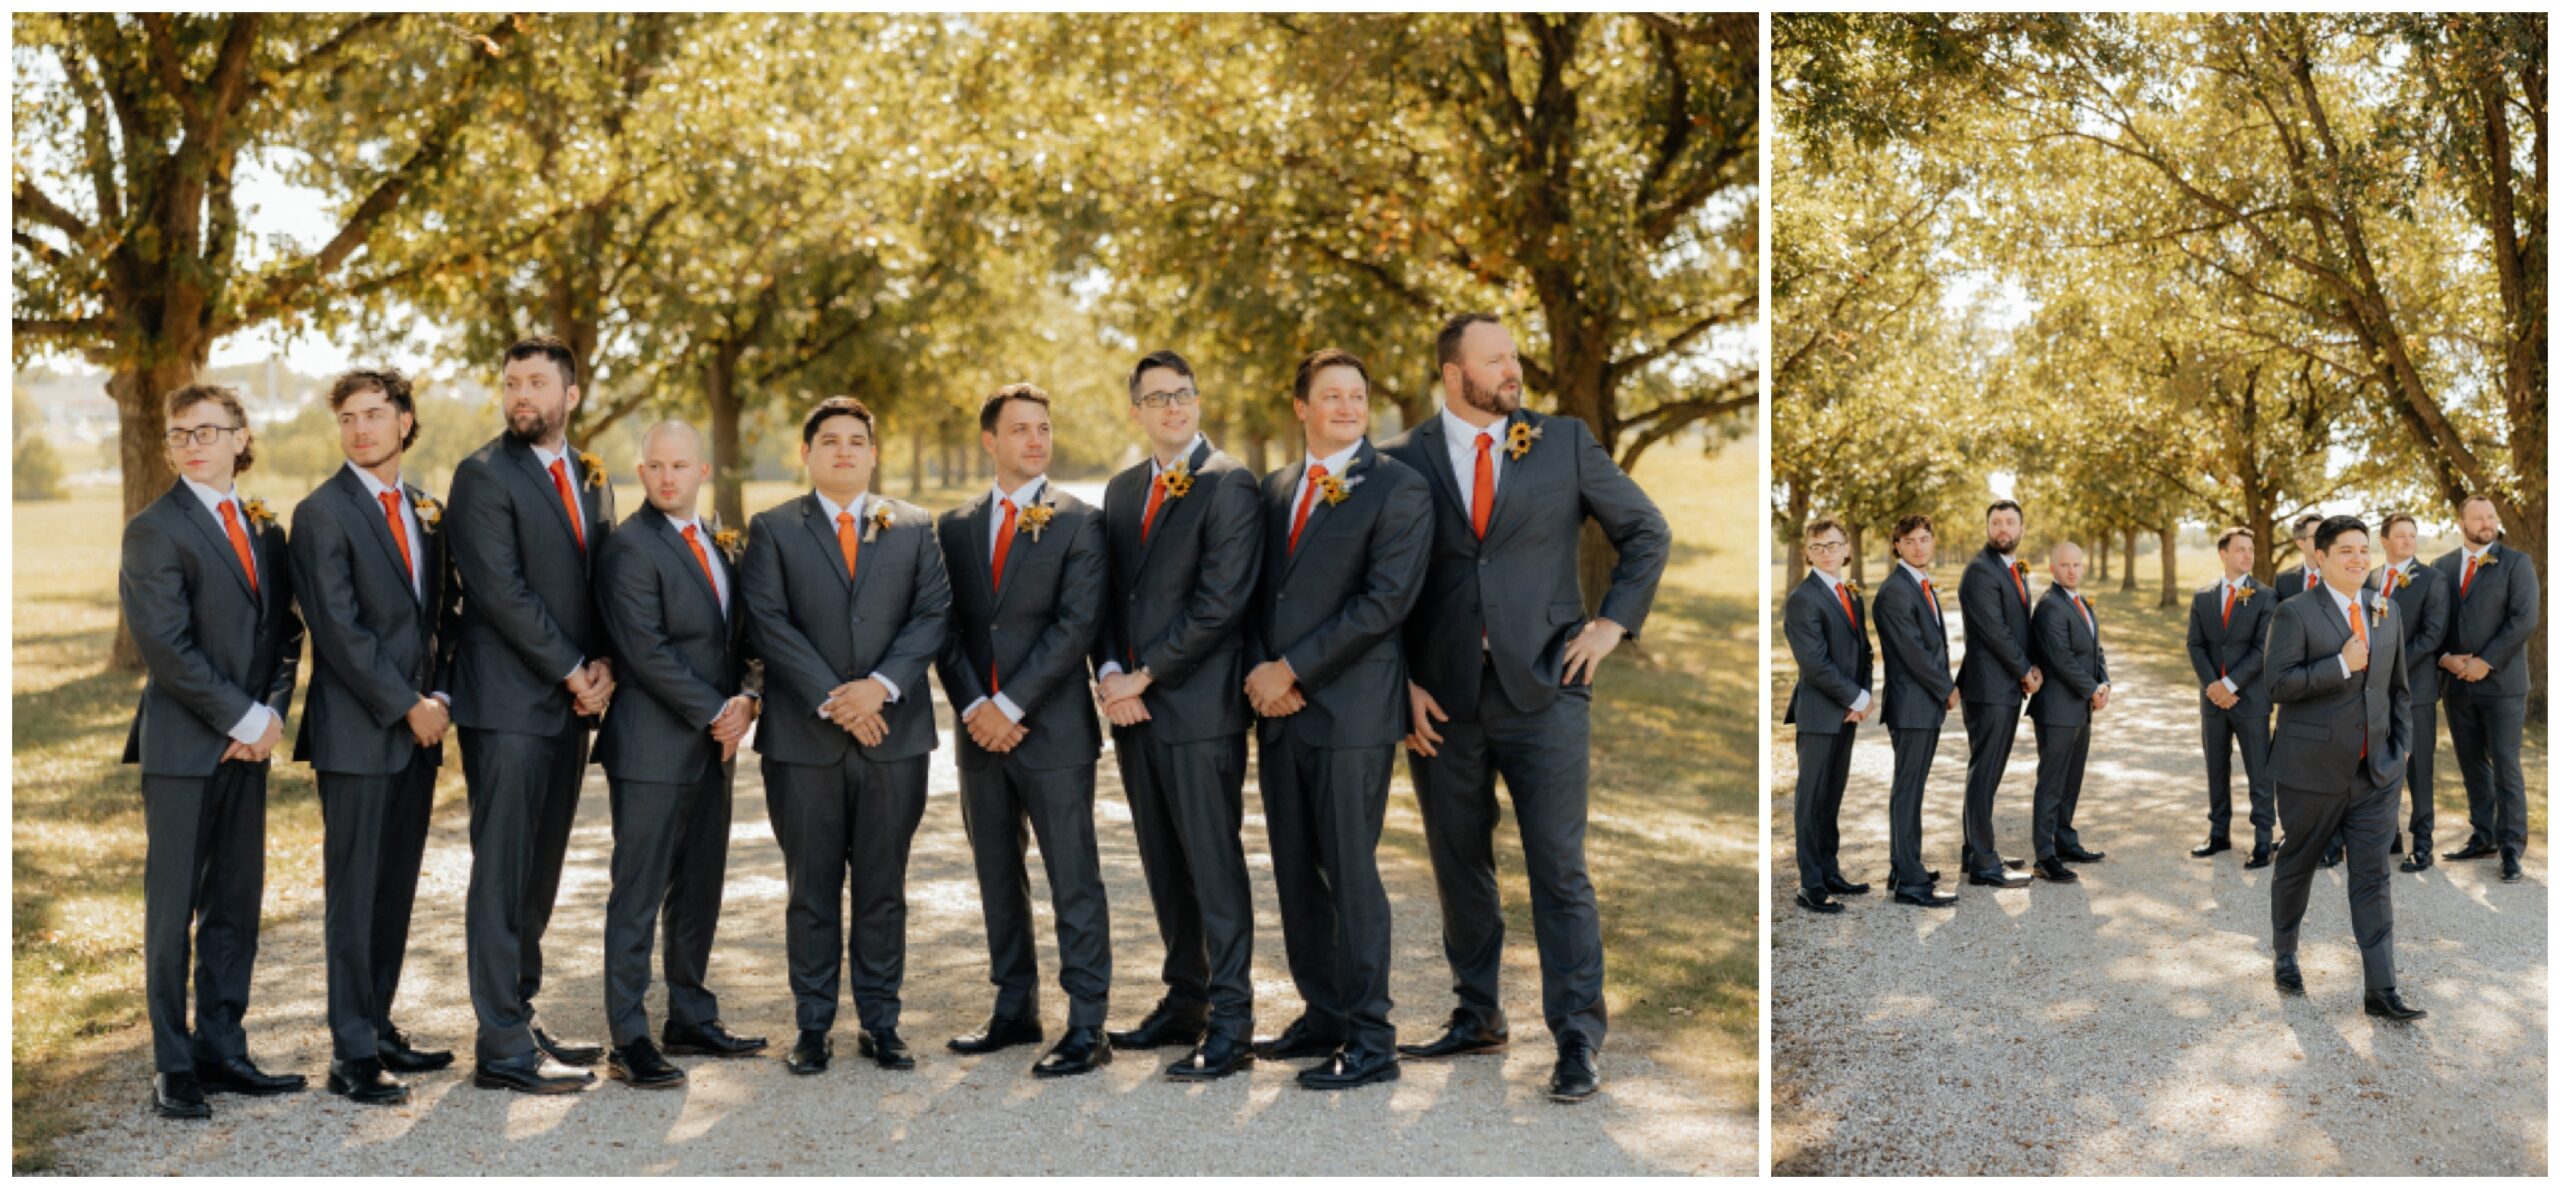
[1512, 490]
[2423, 601]
[667, 588]
[2307, 575]
[2496, 600]
[1919, 690]
[1346, 537]
[1184, 532]
[2226, 644]
[529, 515]
[2075, 689]
[1028, 582]
[207, 589]
[1998, 674]
[1826, 626]
[846, 606]
[377, 599]
[2339, 678]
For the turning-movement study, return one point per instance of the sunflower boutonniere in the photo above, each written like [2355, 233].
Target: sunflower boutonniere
[1851, 585]
[1522, 436]
[430, 513]
[2488, 558]
[2381, 609]
[594, 467]
[1035, 518]
[2244, 592]
[1177, 480]
[1337, 488]
[729, 541]
[2023, 568]
[256, 510]
[882, 516]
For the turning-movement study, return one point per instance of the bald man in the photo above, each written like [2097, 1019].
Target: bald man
[669, 749]
[2075, 688]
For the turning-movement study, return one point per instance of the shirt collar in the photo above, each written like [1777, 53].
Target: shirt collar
[693, 522]
[2468, 553]
[1917, 574]
[374, 485]
[1022, 498]
[2345, 599]
[213, 500]
[547, 457]
[1828, 580]
[1198, 440]
[1334, 464]
[1461, 432]
[833, 510]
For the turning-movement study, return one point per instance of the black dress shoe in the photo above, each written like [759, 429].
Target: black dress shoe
[1819, 901]
[1347, 1070]
[1081, 1050]
[1893, 885]
[2510, 867]
[2052, 869]
[1463, 1034]
[1838, 886]
[236, 1075]
[1217, 1056]
[2477, 848]
[710, 1038]
[1577, 1074]
[2211, 847]
[399, 1056]
[1928, 897]
[885, 1049]
[2395, 842]
[567, 1052]
[2079, 854]
[1299, 1041]
[1166, 1025]
[1997, 878]
[177, 1096]
[2418, 860]
[2386, 1003]
[2259, 857]
[811, 1054]
[2288, 974]
[998, 1033]
[641, 1064]
[532, 1073]
[364, 1080]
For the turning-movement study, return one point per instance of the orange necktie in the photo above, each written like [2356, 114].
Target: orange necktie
[399, 531]
[2021, 580]
[2085, 617]
[1482, 503]
[240, 545]
[2228, 591]
[1155, 500]
[695, 540]
[1935, 611]
[1315, 473]
[2468, 569]
[1004, 542]
[848, 542]
[569, 501]
[1846, 605]
[2310, 579]
[2355, 623]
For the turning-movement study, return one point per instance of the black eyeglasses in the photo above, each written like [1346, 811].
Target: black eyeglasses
[202, 435]
[1180, 398]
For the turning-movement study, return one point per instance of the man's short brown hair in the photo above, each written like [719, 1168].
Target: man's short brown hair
[994, 406]
[1821, 525]
[221, 394]
[393, 386]
[2396, 518]
[2223, 542]
[1912, 524]
[1328, 357]
[546, 346]
[2463, 505]
[837, 406]
[1454, 332]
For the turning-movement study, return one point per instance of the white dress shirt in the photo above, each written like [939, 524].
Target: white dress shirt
[1827, 580]
[568, 459]
[253, 725]
[1022, 499]
[1462, 456]
[1333, 465]
[861, 508]
[1929, 592]
[2349, 610]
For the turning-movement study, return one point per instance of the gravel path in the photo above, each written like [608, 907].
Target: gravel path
[2128, 1024]
[951, 1115]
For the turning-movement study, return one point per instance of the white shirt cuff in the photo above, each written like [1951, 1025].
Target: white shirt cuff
[891, 686]
[1110, 669]
[1861, 703]
[2343, 669]
[573, 669]
[253, 725]
[972, 708]
[1012, 713]
[2226, 684]
[445, 698]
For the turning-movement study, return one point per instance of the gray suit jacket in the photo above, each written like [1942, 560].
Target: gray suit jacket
[213, 647]
[1032, 639]
[1179, 594]
[1519, 588]
[2291, 582]
[679, 657]
[377, 645]
[2323, 714]
[1999, 645]
[1336, 608]
[528, 608]
[2075, 664]
[2237, 651]
[1916, 679]
[1834, 662]
[2425, 607]
[815, 628]
[2493, 621]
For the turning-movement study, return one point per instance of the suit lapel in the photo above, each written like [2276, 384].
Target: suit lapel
[1023, 541]
[980, 545]
[1198, 458]
[545, 491]
[369, 510]
[1431, 440]
[673, 544]
[193, 511]
[814, 515]
[861, 528]
[1320, 513]
[430, 584]
[1511, 475]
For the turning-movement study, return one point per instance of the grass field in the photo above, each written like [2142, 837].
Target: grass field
[1673, 846]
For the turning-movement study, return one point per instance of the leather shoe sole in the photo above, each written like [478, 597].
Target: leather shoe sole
[487, 1080]
[292, 1083]
[172, 1109]
[2002, 880]
[1323, 1077]
[2210, 849]
[370, 1095]
[1189, 1070]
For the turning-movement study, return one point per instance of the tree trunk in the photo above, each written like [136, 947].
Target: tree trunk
[728, 483]
[2169, 566]
[2129, 584]
[2102, 558]
[1257, 447]
[1858, 554]
[915, 465]
[1799, 507]
[139, 390]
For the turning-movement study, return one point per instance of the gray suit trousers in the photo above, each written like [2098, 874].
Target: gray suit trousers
[2488, 741]
[1914, 749]
[206, 865]
[374, 831]
[670, 859]
[524, 798]
[1186, 802]
[1990, 732]
[2366, 814]
[1003, 806]
[855, 819]
[1822, 777]
[2221, 728]
[1326, 807]
[2062, 758]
